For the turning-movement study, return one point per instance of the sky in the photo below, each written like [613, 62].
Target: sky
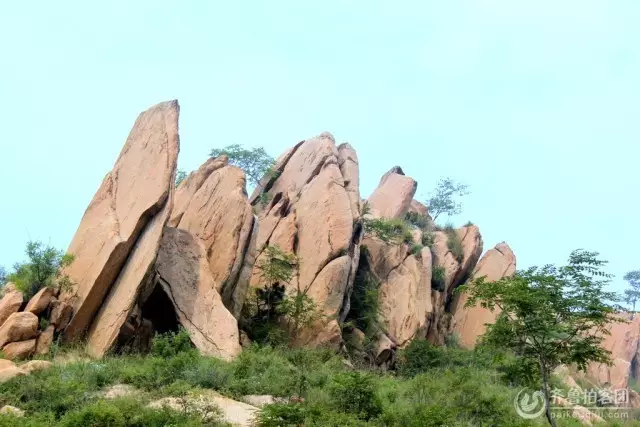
[533, 104]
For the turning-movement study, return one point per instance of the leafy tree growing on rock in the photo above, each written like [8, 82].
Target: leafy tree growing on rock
[180, 176]
[3, 276]
[255, 162]
[550, 315]
[45, 268]
[632, 294]
[442, 198]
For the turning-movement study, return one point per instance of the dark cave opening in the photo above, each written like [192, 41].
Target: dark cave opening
[159, 310]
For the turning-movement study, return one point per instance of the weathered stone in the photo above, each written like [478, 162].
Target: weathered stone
[384, 350]
[130, 197]
[11, 372]
[133, 280]
[472, 245]
[40, 301]
[45, 339]
[393, 196]
[36, 365]
[10, 303]
[313, 212]
[219, 214]
[61, 313]
[186, 278]
[469, 323]
[18, 327]
[418, 208]
[4, 364]
[12, 411]
[19, 349]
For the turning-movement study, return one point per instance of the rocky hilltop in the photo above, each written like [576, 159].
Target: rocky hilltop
[150, 256]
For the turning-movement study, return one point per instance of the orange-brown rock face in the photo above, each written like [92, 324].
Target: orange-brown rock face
[394, 195]
[469, 323]
[131, 196]
[212, 205]
[185, 276]
[313, 212]
[623, 343]
[10, 302]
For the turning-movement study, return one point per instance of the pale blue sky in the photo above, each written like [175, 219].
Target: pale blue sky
[532, 103]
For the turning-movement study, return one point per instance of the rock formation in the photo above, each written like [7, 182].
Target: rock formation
[310, 207]
[469, 323]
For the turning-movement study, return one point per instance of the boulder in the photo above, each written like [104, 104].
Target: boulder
[10, 373]
[313, 211]
[215, 209]
[469, 323]
[40, 301]
[36, 365]
[10, 303]
[186, 278]
[393, 196]
[19, 349]
[11, 411]
[61, 313]
[419, 208]
[18, 327]
[4, 364]
[45, 339]
[130, 197]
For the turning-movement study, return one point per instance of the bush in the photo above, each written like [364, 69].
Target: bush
[365, 304]
[282, 415]
[101, 414]
[418, 357]
[355, 393]
[418, 220]
[428, 239]
[454, 244]
[438, 278]
[416, 249]
[389, 230]
[171, 344]
[44, 269]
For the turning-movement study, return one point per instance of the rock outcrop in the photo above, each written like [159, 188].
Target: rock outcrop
[394, 195]
[212, 205]
[468, 323]
[310, 207]
[128, 209]
[18, 327]
[10, 303]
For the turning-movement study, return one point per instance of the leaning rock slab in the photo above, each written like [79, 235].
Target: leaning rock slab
[186, 278]
[45, 339]
[61, 313]
[18, 327]
[394, 195]
[130, 196]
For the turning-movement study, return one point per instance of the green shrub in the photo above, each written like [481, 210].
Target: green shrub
[418, 220]
[454, 244]
[438, 278]
[44, 269]
[418, 357]
[171, 344]
[282, 415]
[416, 249]
[428, 239]
[389, 230]
[355, 393]
[365, 304]
[103, 414]
[468, 224]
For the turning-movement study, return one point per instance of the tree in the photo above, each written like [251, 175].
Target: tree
[442, 198]
[3, 276]
[254, 162]
[180, 176]
[550, 315]
[45, 268]
[632, 294]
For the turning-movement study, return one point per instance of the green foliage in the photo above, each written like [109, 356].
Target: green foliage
[468, 224]
[3, 276]
[364, 312]
[180, 176]
[255, 162]
[632, 294]
[416, 249]
[355, 392]
[392, 230]
[442, 198]
[171, 344]
[438, 278]
[550, 315]
[418, 220]
[454, 244]
[428, 239]
[265, 198]
[44, 269]
[282, 415]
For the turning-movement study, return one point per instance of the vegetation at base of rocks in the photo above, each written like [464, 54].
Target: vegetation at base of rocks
[442, 198]
[271, 314]
[255, 162]
[180, 176]
[454, 244]
[438, 278]
[364, 313]
[45, 268]
[428, 239]
[632, 294]
[551, 315]
[389, 230]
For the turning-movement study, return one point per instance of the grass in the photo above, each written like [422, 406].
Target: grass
[438, 278]
[433, 386]
[454, 244]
